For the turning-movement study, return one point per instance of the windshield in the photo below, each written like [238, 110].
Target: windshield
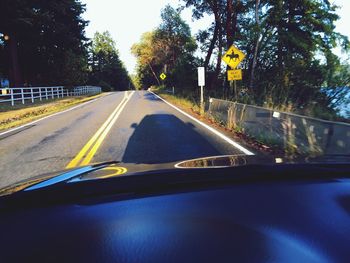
[159, 82]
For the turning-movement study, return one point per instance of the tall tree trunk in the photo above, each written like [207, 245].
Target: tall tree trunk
[256, 48]
[231, 28]
[218, 62]
[154, 74]
[15, 73]
[215, 34]
[280, 94]
[211, 46]
[230, 13]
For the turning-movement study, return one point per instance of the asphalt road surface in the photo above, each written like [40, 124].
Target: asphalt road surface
[131, 127]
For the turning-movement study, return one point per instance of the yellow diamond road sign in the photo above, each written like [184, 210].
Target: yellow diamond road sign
[234, 74]
[233, 57]
[162, 76]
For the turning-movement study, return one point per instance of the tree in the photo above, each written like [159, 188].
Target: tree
[256, 46]
[289, 62]
[149, 58]
[168, 49]
[46, 40]
[212, 7]
[221, 34]
[294, 33]
[107, 70]
[335, 93]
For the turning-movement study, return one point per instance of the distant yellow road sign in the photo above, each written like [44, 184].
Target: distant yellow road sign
[233, 57]
[234, 74]
[4, 91]
[162, 76]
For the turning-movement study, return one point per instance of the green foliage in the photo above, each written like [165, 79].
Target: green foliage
[289, 62]
[47, 38]
[107, 70]
[288, 69]
[135, 81]
[47, 46]
[167, 49]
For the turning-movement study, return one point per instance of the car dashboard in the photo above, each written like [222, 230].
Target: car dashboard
[267, 220]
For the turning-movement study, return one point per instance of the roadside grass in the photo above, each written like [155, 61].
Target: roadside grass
[4, 107]
[182, 102]
[186, 103]
[20, 114]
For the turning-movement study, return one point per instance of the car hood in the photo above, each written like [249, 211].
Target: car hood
[114, 169]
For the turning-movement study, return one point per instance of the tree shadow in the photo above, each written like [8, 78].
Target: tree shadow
[162, 138]
[150, 96]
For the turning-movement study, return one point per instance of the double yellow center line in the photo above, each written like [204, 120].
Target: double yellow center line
[88, 151]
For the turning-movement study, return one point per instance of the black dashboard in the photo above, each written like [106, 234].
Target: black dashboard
[226, 220]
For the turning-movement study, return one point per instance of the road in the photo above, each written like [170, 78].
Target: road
[131, 127]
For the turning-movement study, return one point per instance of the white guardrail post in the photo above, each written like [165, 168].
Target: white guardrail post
[12, 99]
[22, 95]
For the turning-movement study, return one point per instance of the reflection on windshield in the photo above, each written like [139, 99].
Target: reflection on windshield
[226, 161]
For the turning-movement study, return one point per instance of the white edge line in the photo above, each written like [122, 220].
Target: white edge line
[46, 117]
[222, 136]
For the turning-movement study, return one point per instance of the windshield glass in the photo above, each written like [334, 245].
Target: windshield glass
[155, 83]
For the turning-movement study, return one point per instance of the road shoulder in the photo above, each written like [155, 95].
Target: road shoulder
[16, 119]
[209, 124]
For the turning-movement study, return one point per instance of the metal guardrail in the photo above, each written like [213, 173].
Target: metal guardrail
[31, 94]
[291, 131]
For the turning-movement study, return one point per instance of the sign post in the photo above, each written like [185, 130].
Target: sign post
[162, 77]
[233, 57]
[201, 83]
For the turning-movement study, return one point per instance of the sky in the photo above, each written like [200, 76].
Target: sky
[128, 20]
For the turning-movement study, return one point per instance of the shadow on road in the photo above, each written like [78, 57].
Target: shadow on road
[150, 96]
[161, 138]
